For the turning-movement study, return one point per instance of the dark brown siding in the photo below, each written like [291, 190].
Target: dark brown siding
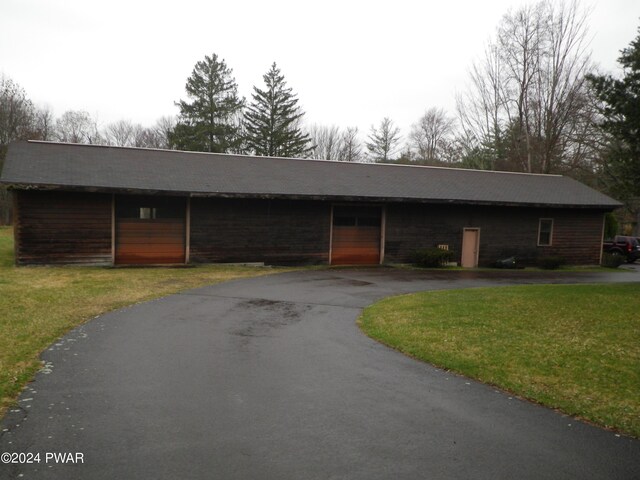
[62, 227]
[252, 230]
[577, 237]
[504, 232]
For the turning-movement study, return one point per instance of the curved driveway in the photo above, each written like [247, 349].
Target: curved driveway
[270, 378]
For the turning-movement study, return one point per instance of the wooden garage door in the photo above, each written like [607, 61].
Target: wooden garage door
[356, 235]
[150, 230]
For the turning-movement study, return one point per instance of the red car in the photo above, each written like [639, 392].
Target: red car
[623, 245]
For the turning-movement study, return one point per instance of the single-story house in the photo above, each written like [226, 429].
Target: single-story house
[87, 204]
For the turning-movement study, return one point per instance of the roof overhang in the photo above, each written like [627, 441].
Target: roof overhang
[286, 196]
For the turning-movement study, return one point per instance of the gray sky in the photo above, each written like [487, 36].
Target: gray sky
[350, 62]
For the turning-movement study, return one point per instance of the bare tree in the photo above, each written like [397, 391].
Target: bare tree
[351, 148]
[383, 141]
[16, 123]
[430, 136]
[44, 123]
[479, 112]
[125, 133]
[121, 133]
[159, 136]
[326, 141]
[527, 97]
[332, 143]
[77, 126]
[16, 112]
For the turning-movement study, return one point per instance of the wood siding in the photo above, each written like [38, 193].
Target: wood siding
[506, 231]
[576, 237]
[68, 228]
[356, 235]
[158, 239]
[62, 228]
[355, 246]
[150, 241]
[254, 230]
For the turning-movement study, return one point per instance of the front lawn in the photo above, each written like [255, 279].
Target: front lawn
[571, 347]
[39, 304]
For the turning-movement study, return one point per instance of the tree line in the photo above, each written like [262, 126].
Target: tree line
[534, 102]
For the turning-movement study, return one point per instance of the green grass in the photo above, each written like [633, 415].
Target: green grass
[571, 347]
[563, 268]
[39, 304]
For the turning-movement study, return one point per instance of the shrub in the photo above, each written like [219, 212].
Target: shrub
[550, 263]
[611, 260]
[610, 225]
[432, 257]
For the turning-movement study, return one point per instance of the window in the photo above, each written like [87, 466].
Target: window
[147, 213]
[356, 216]
[369, 221]
[545, 232]
[149, 207]
[344, 221]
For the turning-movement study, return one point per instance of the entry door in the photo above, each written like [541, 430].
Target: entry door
[470, 247]
[150, 230]
[356, 237]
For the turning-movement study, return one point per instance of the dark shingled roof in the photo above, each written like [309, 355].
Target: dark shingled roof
[99, 168]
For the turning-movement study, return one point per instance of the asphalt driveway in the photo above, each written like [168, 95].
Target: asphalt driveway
[270, 378]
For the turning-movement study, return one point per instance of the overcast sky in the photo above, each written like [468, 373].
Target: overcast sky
[350, 62]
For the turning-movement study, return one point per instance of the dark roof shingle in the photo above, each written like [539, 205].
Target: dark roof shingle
[45, 164]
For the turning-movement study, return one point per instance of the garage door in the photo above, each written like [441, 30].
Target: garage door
[356, 236]
[150, 230]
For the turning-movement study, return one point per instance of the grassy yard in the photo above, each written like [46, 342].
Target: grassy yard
[574, 348]
[39, 304]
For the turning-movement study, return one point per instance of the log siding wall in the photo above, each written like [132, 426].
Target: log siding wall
[62, 228]
[504, 232]
[255, 230]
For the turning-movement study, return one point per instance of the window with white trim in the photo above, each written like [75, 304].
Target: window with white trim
[545, 232]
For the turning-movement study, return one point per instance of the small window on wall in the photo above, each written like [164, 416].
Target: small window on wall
[344, 221]
[545, 232]
[147, 213]
[356, 216]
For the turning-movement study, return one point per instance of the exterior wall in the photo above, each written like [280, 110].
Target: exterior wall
[254, 230]
[577, 237]
[62, 227]
[55, 227]
[504, 232]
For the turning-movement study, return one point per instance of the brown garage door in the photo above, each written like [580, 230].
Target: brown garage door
[150, 230]
[356, 235]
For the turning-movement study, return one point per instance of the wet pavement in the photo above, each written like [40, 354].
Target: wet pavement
[270, 378]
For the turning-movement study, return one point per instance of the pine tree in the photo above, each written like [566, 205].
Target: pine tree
[272, 121]
[209, 120]
[383, 141]
[621, 121]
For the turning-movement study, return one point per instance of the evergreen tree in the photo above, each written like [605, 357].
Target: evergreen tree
[272, 121]
[208, 120]
[383, 141]
[621, 121]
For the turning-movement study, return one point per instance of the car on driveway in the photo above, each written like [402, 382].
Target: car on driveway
[629, 247]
